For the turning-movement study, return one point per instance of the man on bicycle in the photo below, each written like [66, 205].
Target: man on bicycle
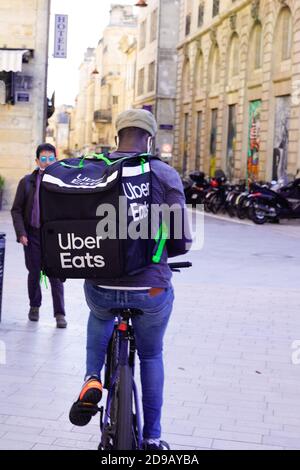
[150, 291]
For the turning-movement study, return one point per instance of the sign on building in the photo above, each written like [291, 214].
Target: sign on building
[61, 36]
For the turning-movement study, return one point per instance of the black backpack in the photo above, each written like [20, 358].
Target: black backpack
[93, 210]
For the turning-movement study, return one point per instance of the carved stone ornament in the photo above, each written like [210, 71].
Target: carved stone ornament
[213, 36]
[232, 22]
[255, 9]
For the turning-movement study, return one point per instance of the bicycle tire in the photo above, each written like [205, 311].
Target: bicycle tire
[124, 438]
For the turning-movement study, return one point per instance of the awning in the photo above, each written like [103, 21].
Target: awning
[11, 60]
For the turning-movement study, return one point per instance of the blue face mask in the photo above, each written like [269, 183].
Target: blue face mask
[50, 159]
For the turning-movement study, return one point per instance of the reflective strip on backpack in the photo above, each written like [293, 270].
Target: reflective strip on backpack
[135, 170]
[58, 182]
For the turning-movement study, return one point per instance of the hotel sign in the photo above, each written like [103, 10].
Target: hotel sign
[61, 36]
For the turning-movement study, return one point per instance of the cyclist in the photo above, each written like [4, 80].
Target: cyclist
[150, 290]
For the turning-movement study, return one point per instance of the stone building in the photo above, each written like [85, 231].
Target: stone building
[23, 75]
[155, 89]
[106, 83]
[58, 130]
[238, 87]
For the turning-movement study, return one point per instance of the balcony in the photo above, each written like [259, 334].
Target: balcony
[103, 116]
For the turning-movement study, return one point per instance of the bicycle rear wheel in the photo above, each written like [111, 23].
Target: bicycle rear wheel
[124, 435]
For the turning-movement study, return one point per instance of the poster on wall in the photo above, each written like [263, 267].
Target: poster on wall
[253, 140]
[281, 138]
[231, 143]
[213, 142]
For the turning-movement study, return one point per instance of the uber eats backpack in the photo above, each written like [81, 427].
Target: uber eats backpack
[93, 211]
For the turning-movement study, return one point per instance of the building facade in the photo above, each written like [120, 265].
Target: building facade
[24, 30]
[106, 83]
[155, 89]
[238, 88]
[58, 130]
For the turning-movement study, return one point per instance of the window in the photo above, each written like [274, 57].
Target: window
[188, 20]
[186, 81]
[199, 74]
[234, 57]
[154, 19]
[198, 139]
[216, 7]
[287, 32]
[143, 31]
[151, 77]
[214, 66]
[115, 99]
[185, 142]
[231, 142]
[141, 82]
[258, 41]
[200, 15]
[213, 141]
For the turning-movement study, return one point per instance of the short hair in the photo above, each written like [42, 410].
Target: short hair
[45, 148]
[129, 132]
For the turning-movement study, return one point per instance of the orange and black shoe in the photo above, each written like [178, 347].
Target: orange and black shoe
[85, 407]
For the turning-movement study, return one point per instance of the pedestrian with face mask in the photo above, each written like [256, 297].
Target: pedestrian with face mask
[26, 219]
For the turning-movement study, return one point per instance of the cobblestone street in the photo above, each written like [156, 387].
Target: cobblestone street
[230, 379]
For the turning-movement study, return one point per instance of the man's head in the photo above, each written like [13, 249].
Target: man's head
[136, 129]
[45, 156]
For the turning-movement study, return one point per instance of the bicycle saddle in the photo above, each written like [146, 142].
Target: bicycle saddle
[126, 313]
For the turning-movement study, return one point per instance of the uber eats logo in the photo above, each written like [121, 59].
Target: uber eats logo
[69, 241]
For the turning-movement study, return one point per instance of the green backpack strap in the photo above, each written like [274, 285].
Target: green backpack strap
[161, 240]
[105, 158]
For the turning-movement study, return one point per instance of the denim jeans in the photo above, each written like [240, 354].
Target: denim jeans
[149, 332]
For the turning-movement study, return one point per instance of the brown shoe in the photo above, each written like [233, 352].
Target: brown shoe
[61, 321]
[34, 314]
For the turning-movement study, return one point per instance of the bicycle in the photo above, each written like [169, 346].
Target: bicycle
[120, 422]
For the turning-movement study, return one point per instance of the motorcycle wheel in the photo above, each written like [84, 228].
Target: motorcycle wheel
[216, 203]
[257, 215]
[241, 210]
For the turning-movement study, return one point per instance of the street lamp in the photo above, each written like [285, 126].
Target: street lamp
[141, 3]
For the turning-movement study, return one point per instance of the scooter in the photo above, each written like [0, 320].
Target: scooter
[271, 205]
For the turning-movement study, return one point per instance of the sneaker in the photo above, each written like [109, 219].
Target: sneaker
[86, 406]
[155, 444]
[61, 321]
[34, 314]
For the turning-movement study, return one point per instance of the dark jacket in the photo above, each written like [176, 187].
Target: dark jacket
[22, 206]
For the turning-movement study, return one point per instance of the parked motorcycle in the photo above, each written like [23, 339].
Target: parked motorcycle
[215, 195]
[270, 205]
[195, 192]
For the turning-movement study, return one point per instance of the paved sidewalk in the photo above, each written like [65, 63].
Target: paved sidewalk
[230, 380]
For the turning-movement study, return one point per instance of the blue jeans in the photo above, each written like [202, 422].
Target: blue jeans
[149, 332]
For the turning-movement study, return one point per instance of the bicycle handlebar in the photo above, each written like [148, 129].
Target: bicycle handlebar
[182, 265]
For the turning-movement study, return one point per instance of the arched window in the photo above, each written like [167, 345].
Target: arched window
[214, 66]
[186, 81]
[256, 47]
[199, 72]
[284, 35]
[234, 65]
